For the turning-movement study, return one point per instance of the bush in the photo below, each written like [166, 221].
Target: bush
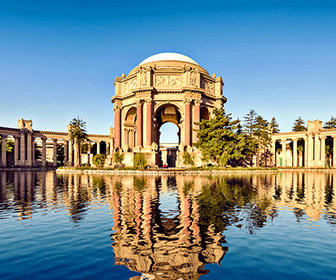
[140, 161]
[99, 160]
[118, 157]
[187, 158]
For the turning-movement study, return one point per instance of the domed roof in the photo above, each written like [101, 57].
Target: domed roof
[168, 56]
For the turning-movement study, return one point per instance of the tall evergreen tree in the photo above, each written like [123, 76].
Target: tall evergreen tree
[262, 134]
[250, 122]
[331, 123]
[218, 139]
[77, 132]
[299, 124]
[274, 126]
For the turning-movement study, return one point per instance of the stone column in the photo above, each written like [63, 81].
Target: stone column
[310, 151]
[76, 154]
[70, 160]
[273, 153]
[22, 149]
[323, 156]
[98, 147]
[317, 149]
[3, 150]
[149, 122]
[111, 150]
[334, 152]
[305, 152]
[29, 150]
[54, 152]
[117, 126]
[66, 148]
[139, 125]
[44, 152]
[197, 118]
[89, 152]
[295, 152]
[33, 151]
[283, 154]
[16, 150]
[187, 123]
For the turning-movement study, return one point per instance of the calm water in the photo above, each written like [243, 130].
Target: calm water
[272, 226]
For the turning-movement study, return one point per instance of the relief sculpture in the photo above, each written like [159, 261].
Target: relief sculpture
[168, 81]
[130, 85]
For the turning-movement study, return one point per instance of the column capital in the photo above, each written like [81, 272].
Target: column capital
[116, 107]
[187, 100]
[148, 100]
[197, 101]
[322, 137]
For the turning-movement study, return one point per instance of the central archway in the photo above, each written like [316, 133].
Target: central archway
[167, 121]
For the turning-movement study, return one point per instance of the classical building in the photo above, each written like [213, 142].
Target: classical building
[305, 148]
[166, 87]
[35, 148]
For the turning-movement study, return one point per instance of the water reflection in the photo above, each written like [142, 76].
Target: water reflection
[170, 227]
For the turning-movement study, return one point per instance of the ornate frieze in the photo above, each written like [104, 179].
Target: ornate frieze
[130, 85]
[208, 86]
[168, 81]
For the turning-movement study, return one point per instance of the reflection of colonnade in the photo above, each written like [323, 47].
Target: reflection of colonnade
[25, 147]
[304, 148]
[137, 201]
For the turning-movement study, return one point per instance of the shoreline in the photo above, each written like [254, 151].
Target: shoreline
[170, 171]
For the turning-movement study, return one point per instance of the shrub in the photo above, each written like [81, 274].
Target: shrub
[118, 157]
[99, 160]
[139, 161]
[187, 158]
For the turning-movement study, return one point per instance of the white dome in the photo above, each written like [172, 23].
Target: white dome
[168, 56]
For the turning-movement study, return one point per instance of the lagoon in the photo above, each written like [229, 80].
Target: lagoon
[278, 225]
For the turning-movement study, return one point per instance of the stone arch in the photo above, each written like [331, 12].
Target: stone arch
[130, 127]
[167, 113]
[204, 113]
[130, 116]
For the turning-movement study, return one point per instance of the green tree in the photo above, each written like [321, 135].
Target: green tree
[250, 122]
[262, 134]
[299, 125]
[118, 157]
[77, 132]
[140, 161]
[218, 139]
[331, 123]
[187, 158]
[99, 160]
[274, 126]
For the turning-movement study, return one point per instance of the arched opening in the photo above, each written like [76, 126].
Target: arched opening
[167, 134]
[205, 115]
[130, 128]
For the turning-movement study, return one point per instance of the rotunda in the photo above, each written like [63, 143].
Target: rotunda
[165, 87]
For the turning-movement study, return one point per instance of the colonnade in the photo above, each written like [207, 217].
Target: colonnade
[313, 153]
[19, 146]
[24, 150]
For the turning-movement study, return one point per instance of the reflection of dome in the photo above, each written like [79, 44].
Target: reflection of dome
[168, 56]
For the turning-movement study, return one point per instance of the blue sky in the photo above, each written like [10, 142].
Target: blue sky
[58, 59]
